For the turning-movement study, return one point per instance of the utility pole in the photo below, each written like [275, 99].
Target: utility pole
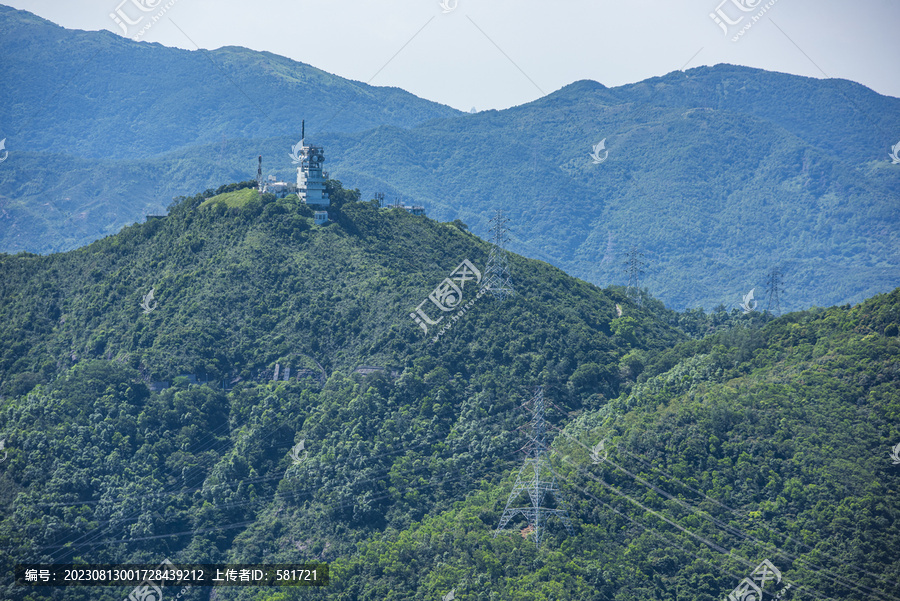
[537, 479]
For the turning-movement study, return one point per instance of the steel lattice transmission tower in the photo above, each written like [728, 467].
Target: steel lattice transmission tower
[774, 290]
[537, 479]
[634, 267]
[497, 280]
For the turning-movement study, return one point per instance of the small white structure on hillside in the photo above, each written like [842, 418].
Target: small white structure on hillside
[271, 185]
[275, 187]
[398, 204]
[320, 217]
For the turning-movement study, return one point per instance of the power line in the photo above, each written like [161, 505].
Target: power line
[824, 571]
[90, 538]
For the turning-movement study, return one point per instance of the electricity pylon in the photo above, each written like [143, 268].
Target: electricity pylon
[537, 479]
[497, 280]
[774, 290]
[634, 267]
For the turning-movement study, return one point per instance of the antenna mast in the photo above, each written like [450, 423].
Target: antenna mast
[259, 179]
[537, 478]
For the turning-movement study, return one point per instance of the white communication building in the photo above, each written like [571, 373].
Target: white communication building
[310, 180]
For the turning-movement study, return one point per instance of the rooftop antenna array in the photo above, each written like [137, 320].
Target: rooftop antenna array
[497, 279]
[536, 477]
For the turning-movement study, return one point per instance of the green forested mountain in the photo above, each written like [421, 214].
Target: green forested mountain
[718, 174]
[716, 195]
[766, 439]
[756, 444]
[95, 94]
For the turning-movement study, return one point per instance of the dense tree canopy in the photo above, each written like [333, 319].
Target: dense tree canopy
[729, 438]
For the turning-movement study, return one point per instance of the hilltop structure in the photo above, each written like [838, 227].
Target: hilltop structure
[310, 179]
[270, 185]
[398, 204]
[310, 186]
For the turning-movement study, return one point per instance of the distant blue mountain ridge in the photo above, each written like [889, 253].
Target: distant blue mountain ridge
[719, 175]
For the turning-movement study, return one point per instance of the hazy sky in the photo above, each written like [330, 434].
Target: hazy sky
[499, 53]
